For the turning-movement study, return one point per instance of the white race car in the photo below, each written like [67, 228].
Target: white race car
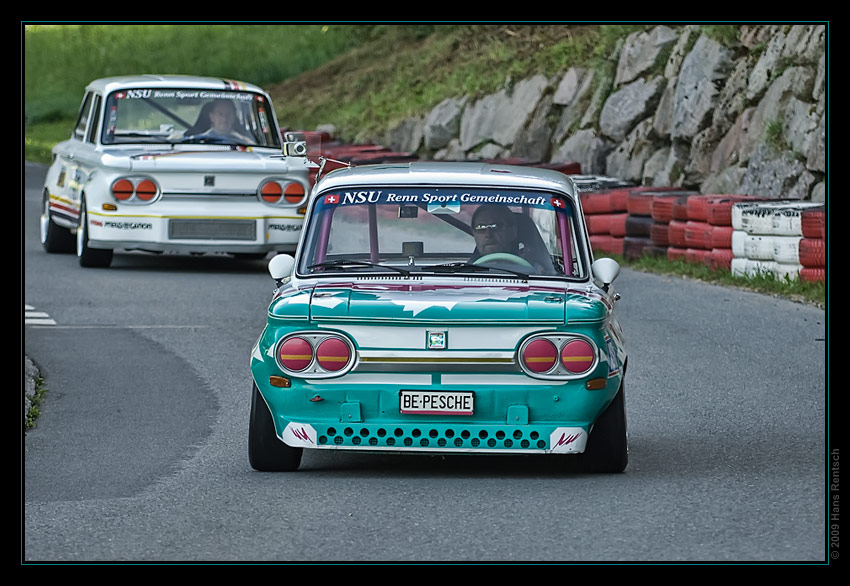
[175, 163]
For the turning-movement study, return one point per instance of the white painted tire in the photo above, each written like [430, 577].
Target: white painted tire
[789, 271]
[786, 249]
[758, 247]
[738, 238]
[747, 267]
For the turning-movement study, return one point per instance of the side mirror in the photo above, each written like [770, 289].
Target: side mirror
[280, 267]
[606, 270]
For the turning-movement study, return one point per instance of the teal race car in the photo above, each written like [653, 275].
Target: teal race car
[449, 308]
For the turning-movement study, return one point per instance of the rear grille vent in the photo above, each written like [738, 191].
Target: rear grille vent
[440, 438]
[212, 230]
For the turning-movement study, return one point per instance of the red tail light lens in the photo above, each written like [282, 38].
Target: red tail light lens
[577, 356]
[146, 190]
[122, 190]
[540, 355]
[293, 192]
[271, 192]
[295, 354]
[333, 354]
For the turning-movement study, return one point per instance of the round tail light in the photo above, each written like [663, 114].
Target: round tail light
[293, 192]
[122, 190]
[577, 356]
[333, 354]
[540, 355]
[295, 354]
[146, 190]
[271, 192]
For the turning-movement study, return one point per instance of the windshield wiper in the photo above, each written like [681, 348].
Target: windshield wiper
[211, 139]
[465, 267]
[344, 262]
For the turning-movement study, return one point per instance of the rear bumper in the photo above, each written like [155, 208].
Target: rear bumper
[203, 233]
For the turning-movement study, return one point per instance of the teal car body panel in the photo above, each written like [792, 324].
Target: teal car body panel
[401, 356]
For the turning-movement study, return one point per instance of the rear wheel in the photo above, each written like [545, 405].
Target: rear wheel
[90, 257]
[608, 445]
[54, 238]
[266, 452]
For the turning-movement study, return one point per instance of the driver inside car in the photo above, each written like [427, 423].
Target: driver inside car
[222, 118]
[496, 230]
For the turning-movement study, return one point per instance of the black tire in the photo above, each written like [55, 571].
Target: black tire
[54, 238]
[249, 255]
[607, 448]
[90, 257]
[266, 452]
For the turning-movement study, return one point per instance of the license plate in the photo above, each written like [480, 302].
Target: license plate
[436, 402]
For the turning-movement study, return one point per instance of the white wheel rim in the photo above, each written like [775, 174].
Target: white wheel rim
[44, 221]
[81, 232]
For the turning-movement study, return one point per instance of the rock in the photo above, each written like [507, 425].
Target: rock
[500, 117]
[587, 149]
[641, 52]
[703, 72]
[442, 124]
[628, 106]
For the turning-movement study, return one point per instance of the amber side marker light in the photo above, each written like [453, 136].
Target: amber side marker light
[279, 381]
[109, 207]
[596, 384]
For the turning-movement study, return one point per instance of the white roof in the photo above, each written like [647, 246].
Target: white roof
[109, 84]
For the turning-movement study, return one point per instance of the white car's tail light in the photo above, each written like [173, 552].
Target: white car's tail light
[146, 190]
[293, 192]
[271, 192]
[122, 190]
[558, 356]
[282, 192]
[315, 354]
[139, 190]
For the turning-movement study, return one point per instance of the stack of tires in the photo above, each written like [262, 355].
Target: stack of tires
[812, 247]
[605, 215]
[767, 236]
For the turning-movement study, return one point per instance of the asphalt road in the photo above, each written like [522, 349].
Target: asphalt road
[140, 452]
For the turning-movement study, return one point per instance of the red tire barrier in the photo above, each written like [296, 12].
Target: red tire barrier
[662, 208]
[812, 252]
[812, 275]
[697, 206]
[680, 209]
[617, 225]
[720, 208]
[676, 253]
[698, 235]
[595, 202]
[721, 258]
[639, 203]
[676, 233]
[598, 223]
[698, 255]
[619, 200]
[607, 244]
[721, 236]
[813, 223]
[659, 233]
